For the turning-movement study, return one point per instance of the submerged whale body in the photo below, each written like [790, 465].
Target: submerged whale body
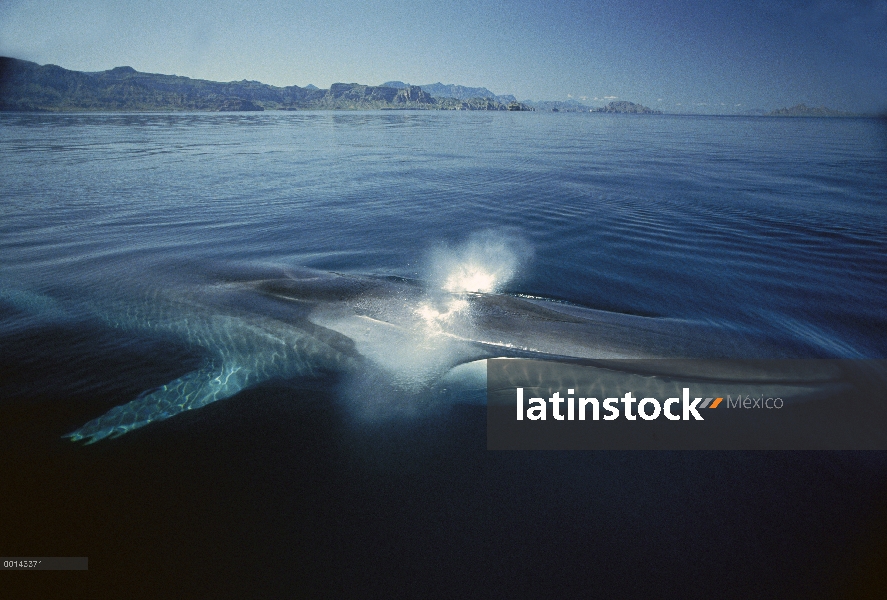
[409, 334]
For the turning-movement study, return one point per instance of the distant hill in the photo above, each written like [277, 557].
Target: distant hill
[621, 106]
[27, 86]
[802, 110]
[445, 103]
[459, 92]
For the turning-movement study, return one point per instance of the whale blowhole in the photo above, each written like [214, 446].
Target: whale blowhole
[483, 264]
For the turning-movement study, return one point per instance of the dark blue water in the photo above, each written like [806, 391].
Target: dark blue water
[775, 228]
[771, 224]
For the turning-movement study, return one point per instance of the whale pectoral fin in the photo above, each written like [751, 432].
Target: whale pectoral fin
[191, 391]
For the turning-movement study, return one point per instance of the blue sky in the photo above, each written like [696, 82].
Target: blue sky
[677, 55]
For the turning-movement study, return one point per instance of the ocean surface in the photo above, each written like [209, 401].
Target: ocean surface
[764, 229]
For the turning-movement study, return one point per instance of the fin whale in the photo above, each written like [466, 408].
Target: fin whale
[304, 322]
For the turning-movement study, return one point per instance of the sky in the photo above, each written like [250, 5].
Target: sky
[702, 56]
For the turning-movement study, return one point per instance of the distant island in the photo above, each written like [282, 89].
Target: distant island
[27, 86]
[802, 110]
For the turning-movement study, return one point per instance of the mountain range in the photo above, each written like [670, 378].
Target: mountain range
[28, 86]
